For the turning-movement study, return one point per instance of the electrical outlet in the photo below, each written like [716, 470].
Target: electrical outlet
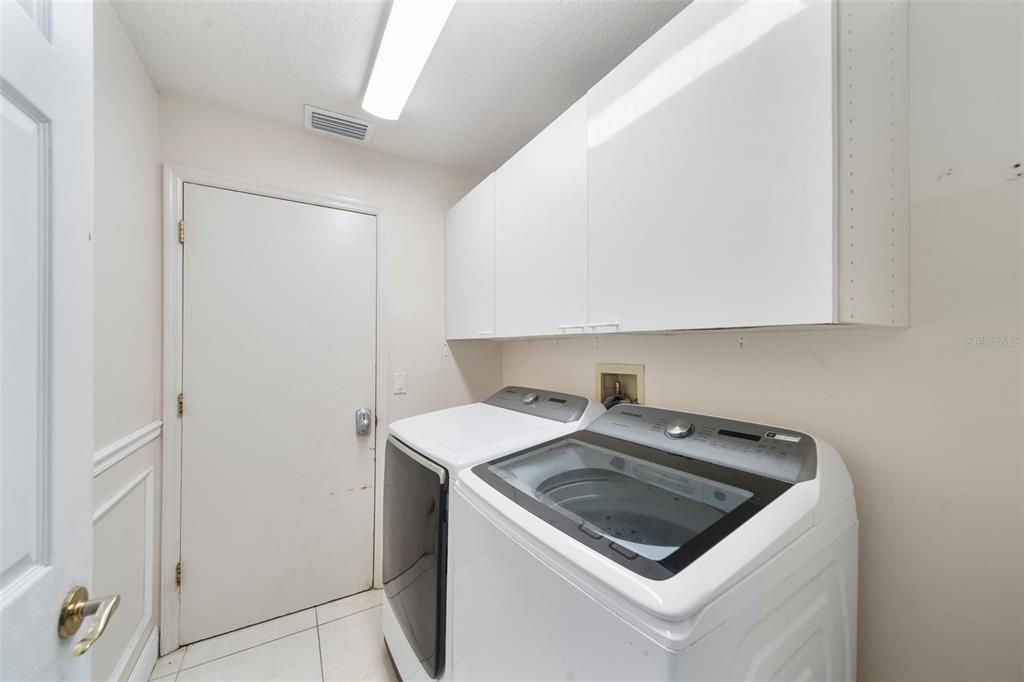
[398, 383]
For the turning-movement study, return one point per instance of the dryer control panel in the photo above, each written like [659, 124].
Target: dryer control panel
[782, 454]
[560, 407]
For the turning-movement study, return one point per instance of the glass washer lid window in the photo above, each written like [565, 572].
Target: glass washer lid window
[652, 516]
[648, 508]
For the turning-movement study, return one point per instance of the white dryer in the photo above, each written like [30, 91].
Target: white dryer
[657, 545]
[423, 454]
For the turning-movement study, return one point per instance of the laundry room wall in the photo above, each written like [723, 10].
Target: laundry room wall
[414, 196]
[928, 418]
[127, 347]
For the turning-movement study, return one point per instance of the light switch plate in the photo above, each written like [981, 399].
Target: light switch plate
[398, 383]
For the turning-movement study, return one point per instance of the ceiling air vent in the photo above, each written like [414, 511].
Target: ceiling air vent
[338, 125]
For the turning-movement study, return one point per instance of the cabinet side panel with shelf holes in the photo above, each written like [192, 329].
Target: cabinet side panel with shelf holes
[872, 222]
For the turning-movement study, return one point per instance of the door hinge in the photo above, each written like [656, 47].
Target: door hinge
[181, 404]
[181, 231]
[177, 574]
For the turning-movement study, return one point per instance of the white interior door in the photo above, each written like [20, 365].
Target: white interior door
[46, 193]
[278, 347]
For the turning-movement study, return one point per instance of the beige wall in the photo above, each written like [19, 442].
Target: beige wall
[928, 422]
[128, 201]
[126, 494]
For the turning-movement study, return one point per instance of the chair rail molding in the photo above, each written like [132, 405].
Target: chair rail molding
[120, 449]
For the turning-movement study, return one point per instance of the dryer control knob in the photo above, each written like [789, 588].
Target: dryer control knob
[680, 428]
[530, 398]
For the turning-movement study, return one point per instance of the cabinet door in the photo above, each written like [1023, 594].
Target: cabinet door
[469, 266]
[711, 172]
[540, 232]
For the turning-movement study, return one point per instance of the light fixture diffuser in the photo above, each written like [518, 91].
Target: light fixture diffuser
[409, 36]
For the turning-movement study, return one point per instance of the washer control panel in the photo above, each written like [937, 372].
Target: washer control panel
[560, 407]
[781, 454]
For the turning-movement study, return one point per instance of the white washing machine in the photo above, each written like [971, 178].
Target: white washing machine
[657, 545]
[423, 454]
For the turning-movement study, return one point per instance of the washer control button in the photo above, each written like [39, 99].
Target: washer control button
[679, 428]
[530, 398]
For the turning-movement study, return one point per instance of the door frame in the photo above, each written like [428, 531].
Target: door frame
[174, 180]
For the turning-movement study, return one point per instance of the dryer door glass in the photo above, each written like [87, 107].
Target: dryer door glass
[628, 503]
[414, 549]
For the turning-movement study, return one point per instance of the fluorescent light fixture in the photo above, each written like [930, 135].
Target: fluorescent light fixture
[412, 29]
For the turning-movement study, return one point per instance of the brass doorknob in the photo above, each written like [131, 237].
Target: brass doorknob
[75, 609]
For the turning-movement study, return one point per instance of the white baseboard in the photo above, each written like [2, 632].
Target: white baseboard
[143, 667]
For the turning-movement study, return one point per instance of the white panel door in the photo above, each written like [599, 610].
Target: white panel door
[711, 172]
[46, 194]
[540, 232]
[469, 269]
[277, 356]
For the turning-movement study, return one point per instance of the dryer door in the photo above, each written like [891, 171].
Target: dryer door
[415, 549]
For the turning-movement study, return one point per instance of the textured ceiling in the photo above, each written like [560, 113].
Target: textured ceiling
[500, 72]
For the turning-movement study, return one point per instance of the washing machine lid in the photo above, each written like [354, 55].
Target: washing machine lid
[512, 419]
[653, 510]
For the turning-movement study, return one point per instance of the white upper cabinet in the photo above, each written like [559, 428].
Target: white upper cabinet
[469, 268]
[744, 167]
[711, 172]
[540, 232]
[717, 187]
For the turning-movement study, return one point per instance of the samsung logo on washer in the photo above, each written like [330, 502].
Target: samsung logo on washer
[782, 436]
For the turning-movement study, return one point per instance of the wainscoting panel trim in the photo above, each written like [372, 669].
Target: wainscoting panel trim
[143, 667]
[148, 478]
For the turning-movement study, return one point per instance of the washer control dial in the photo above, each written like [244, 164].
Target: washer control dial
[679, 428]
[530, 398]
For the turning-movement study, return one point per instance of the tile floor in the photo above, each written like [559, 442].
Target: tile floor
[340, 640]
